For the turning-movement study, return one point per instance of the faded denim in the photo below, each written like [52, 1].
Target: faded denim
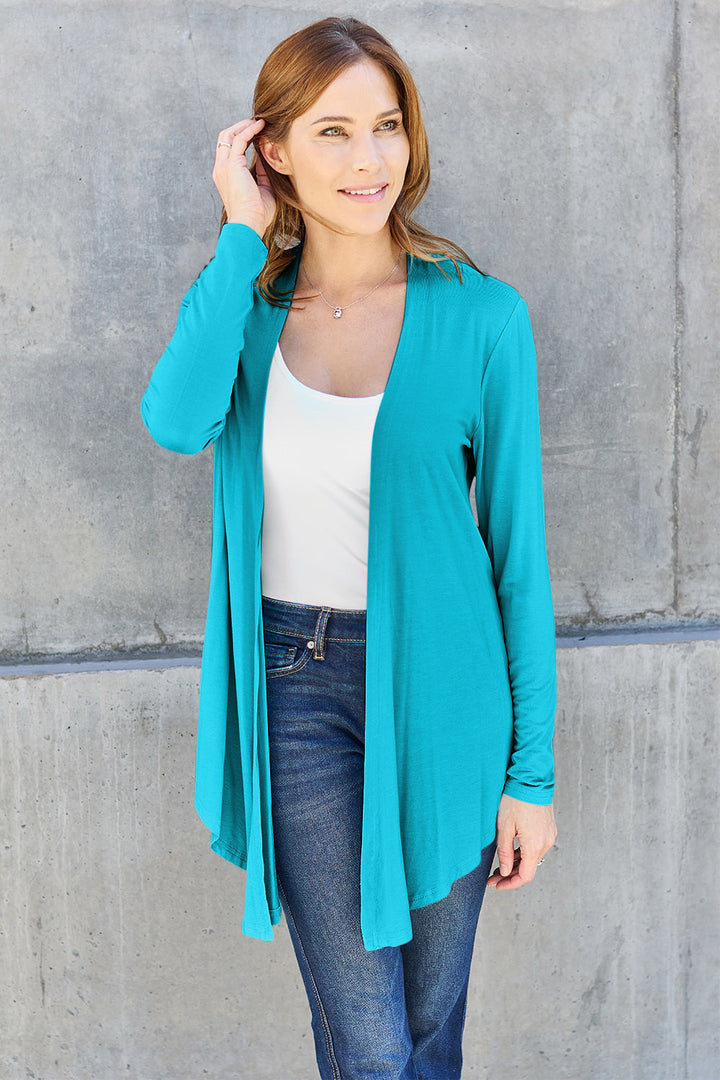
[395, 1013]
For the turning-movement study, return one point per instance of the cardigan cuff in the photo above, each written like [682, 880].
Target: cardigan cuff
[240, 245]
[538, 796]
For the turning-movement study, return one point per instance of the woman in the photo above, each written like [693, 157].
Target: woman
[385, 662]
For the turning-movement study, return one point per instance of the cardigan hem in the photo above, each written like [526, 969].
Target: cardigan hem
[227, 851]
[431, 896]
[259, 933]
[391, 939]
[398, 935]
[239, 858]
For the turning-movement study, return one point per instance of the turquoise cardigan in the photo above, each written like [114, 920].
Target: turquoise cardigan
[460, 662]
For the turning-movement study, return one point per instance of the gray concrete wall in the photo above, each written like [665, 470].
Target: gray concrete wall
[575, 154]
[122, 952]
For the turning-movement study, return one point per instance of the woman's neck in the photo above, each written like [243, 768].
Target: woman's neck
[340, 266]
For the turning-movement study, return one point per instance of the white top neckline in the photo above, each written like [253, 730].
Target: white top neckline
[319, 393]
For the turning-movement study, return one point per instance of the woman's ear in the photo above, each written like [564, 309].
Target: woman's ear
[275, 156]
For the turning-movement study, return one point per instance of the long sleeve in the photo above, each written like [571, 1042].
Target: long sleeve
[511, 518]
[188, 397]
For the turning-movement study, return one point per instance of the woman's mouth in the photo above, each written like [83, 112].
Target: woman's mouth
[366, 194]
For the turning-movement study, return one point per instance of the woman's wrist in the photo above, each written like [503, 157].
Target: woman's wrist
[252, 223]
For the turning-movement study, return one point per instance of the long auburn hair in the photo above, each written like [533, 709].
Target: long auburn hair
[294, 75]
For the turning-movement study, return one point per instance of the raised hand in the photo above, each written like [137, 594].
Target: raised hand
[247, 200]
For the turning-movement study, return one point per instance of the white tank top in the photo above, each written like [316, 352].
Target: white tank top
[316, 476]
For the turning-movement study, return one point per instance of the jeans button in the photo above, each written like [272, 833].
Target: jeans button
[311, 644]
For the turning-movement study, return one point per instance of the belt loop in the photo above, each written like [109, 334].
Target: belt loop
[318, 648]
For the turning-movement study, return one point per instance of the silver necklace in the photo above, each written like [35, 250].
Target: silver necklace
[338, 311]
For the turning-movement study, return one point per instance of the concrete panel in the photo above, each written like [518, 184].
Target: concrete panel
[122, 954]
[557, 167]
[612, 968]
[699, 342]
[555, 170]
[95, 254]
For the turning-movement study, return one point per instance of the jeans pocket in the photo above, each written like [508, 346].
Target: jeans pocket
[278, 657]
[284, 658]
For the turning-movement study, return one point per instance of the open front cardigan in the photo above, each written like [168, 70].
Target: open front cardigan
[460, 652]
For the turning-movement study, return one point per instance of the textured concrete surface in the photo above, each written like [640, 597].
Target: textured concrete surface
[122, 954]
[575, 153]
[121, 948]
[698, 435]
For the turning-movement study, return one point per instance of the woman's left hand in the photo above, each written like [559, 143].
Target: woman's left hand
[534, 827]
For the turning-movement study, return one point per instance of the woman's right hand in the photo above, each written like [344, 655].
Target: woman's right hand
[247, 200]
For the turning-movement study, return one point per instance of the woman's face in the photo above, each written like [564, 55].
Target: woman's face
[348, 154]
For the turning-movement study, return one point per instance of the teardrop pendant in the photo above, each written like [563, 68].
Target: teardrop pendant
[337, 313]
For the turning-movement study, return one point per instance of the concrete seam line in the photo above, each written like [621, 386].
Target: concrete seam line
[69, 667]
[637, 637]
[564, 640]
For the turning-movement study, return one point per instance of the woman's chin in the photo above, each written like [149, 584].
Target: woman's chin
[351, 219]
[356, 224]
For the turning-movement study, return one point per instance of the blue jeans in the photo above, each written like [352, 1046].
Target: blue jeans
[395, 1013]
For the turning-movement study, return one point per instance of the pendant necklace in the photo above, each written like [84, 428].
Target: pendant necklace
[338, 311]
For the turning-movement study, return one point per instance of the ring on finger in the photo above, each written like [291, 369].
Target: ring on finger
[224, 144]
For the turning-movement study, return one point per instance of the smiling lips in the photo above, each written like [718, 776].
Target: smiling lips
[373, 194]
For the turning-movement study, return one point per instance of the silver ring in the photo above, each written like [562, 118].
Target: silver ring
[224, 144]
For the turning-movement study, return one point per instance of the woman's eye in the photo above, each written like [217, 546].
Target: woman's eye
[335, 132]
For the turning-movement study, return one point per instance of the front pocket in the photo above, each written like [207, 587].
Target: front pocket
[279, 657]
[282, 655]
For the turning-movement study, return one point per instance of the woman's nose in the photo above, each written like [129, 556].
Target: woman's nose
[366, 157]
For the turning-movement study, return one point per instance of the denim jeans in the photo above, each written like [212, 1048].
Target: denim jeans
[395, 1013]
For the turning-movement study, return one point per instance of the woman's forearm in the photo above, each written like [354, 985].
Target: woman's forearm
[188, 397]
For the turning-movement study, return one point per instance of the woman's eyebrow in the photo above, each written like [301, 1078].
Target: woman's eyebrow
[349, 119]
